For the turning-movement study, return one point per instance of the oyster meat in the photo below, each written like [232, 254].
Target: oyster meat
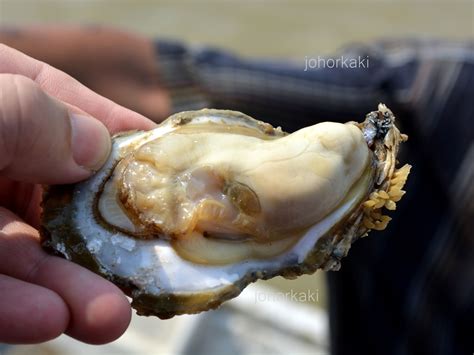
[184, 216]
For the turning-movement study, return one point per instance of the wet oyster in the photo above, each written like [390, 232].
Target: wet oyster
[183, 217]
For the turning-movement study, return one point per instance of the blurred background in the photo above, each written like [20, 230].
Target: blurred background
[281, 30]
[274, 322]
[258, 28]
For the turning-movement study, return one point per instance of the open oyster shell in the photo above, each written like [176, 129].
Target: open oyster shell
[183, 217]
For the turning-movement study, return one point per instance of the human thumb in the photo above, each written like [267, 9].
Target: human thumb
[42, 140]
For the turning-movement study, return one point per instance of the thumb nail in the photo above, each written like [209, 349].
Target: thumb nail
[90, 142]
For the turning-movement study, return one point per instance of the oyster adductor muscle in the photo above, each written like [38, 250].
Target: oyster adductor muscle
[184, 216]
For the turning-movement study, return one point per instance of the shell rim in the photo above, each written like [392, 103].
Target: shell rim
[325, 253]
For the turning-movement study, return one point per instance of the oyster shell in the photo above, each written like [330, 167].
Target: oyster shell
[183, 217]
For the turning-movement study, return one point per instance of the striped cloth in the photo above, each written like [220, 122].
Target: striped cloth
[409, 289]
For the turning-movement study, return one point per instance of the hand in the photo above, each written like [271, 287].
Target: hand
[118, 65]
[52, 130]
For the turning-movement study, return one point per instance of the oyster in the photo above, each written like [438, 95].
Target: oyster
[183, 217]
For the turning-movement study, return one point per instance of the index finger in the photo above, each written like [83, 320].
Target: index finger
[67, 89]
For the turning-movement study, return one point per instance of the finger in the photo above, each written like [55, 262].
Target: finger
[99, 311]
[60, 85]
[41, 141]
[129, 54]
[124, 71]
[21, 198]
[30, 313]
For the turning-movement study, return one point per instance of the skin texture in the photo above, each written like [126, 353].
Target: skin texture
[52, 130]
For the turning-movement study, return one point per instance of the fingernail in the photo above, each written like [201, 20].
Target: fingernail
[90, 142]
